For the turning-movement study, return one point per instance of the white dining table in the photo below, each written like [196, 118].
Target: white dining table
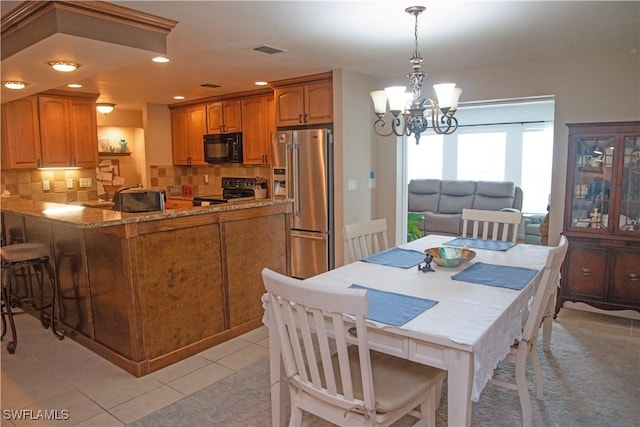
[467, 332]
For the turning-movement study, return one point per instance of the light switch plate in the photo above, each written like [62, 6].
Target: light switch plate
[85, 182]
[352, 185]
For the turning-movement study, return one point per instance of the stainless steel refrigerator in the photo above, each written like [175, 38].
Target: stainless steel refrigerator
[302, 162]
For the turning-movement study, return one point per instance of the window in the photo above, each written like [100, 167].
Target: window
[520, 150]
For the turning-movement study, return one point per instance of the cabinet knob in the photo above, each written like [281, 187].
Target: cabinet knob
[305, 117]
[300, 118]
[586, 272]
[634, 277]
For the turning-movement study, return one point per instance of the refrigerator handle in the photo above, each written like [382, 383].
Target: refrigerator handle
[296, 178]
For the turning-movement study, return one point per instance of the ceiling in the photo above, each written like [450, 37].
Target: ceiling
[213, 43]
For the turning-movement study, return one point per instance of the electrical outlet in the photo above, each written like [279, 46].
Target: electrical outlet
[45, 186]
[352, 185]
[85, 182]
[206, 179]
[69, 183]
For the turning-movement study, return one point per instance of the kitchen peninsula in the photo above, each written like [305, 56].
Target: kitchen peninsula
[145, 290]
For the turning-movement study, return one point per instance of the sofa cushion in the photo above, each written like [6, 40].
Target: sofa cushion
[424, 195]
[455, 196]
[494, 195]
[442, 223]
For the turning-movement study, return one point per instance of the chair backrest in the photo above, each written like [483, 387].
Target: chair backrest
[548, 280]
[503, 225]
[310, 324]
[366, 238]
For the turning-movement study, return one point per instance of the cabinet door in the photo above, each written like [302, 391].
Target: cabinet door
[289, 106]
[20, 134]
[197, 128]
[255, 134]
[83, 132]
[626, 278]
[585, 274]
[54, 132]
[224, 117]
[232, 116]
[215, 118]
[180, 136]
[629, 219]
[318, 102]
[188, 125]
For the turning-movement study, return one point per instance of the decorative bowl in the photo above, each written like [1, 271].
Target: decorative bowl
[446, 256]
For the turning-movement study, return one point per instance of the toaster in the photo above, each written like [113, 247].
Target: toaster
[138, 200]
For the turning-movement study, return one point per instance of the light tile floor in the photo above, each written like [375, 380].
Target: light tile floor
[81, 388]
[63, 376]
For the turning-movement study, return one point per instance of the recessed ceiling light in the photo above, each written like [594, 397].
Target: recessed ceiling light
[14, 84]
[178, 97]
[161, 59]
[74, 85]
[261, 83]
[64, 66]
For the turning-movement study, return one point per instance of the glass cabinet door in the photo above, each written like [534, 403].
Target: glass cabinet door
[630, 197]
[592, 181]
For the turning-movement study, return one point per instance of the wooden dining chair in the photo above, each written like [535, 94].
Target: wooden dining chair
[330, 370]
[525, 347]
[503, 225]
[366, 238]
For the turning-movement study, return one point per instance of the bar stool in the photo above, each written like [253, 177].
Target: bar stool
[22, 257]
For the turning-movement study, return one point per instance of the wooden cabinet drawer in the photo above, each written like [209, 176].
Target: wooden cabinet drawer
[626, 277]
[586, 271]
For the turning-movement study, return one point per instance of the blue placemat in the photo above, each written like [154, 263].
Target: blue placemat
[493, 245]
[396, 257]
[502, 276]
[394, 309]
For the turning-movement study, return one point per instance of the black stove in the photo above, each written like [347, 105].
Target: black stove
[233, 189]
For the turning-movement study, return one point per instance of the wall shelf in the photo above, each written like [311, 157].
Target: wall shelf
[115, 153]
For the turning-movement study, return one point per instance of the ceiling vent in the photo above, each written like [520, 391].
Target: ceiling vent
[267, 49]
[210, 85]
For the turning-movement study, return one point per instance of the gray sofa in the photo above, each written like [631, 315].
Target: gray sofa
[441, 201]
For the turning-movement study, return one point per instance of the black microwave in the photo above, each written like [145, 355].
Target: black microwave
[223, 148]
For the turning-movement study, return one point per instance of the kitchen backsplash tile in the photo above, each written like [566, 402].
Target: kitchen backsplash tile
[28, 184]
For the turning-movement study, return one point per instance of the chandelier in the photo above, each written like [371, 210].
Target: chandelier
[414, 120]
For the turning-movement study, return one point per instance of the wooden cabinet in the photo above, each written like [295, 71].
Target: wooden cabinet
[21, 134]
[258, 118]
[224, 117]
[305, 104]
[188, 125]
[68, 131]
[602, 216]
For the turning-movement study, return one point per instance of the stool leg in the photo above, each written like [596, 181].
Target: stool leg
[6, 294]
[37, 268]
[54, 290]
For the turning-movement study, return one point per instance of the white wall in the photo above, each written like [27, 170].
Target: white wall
[157, 136]
[600, 87]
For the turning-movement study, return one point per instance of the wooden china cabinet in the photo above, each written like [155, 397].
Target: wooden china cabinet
[602, 216]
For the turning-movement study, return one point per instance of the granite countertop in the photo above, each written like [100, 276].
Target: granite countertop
[92, 217]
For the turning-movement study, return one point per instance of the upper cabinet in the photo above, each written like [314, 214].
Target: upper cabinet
[68, 132]
[50, 131]
[224, 117]
[304, 104]
[188, 125]
[258, 117]
[21, 134]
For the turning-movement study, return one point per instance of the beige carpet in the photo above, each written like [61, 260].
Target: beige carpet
[592, 378]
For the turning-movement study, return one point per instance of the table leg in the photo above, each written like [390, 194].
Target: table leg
[459, 380]
[279, 388]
